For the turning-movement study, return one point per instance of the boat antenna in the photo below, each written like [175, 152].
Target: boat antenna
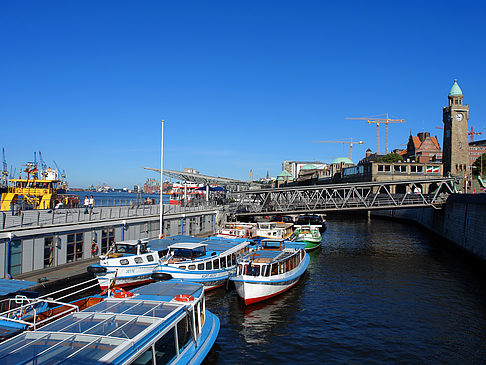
[161, 235]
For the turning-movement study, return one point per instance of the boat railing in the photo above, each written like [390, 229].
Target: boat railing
[21, 306]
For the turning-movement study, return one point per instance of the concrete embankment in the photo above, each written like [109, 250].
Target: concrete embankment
[461, 222]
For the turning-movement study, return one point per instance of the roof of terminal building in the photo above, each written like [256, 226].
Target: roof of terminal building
[455, 90]
[342, 160]
[308, 166]
[201, 179]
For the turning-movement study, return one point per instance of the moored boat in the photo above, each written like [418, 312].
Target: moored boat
[274, 230]
[270, 270]
[312, 219]
[236, 230]
[308, 234]
[208, 261]
[129, 262]
[162, 323]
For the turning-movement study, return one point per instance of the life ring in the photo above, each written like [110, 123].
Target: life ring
[161, 236]
[94, 248]
[184, 298]
[121, 293]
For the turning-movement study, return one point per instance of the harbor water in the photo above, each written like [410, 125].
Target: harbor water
[378, 292]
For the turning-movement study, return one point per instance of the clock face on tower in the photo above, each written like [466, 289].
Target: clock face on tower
[459, 117]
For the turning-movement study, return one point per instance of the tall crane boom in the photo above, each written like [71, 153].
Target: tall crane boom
[344, 142]
[375, 120]
[4, 177]
[43, 165]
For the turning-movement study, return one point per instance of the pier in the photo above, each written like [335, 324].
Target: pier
[43, 240]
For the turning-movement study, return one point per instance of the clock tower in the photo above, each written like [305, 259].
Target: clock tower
[455, 157]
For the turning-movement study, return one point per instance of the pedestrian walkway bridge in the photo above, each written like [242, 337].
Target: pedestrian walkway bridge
[346, 197]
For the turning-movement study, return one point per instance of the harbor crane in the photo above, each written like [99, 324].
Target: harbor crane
[377, 120]
[470, 133]
[5, 169]
[43, 165]
[344, 142]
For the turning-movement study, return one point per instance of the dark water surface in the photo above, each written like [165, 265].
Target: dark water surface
[377, 292]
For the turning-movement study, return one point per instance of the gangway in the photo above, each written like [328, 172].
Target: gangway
[345, 197]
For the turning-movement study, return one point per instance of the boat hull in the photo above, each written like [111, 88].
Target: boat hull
[256, 289]
[209, 279]
[257, 292]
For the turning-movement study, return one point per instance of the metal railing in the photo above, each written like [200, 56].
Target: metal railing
[54, 217]
[340, 197]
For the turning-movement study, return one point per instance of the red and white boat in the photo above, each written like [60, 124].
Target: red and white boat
[237, 230]
[271, 270]
[188, 192]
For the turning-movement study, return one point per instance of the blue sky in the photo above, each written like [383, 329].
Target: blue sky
[241, 85]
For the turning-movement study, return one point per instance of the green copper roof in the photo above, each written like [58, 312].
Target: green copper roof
[455, 90]
[284, 175]
[343, 159]
[309, 166]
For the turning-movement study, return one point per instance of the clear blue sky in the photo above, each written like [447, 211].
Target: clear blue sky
[241, 85]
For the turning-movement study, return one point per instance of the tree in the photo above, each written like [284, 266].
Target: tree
[391, 158]
[480, 162]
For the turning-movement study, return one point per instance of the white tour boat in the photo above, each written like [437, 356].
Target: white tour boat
[130, 263]
[274, 230]
[208, 261]
[271, 270]
[237, 230]
[161, 323]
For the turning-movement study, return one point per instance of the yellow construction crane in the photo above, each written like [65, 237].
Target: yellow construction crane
[376, 120]
[345, 142]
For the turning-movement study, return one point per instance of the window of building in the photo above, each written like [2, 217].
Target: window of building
[107, 239]
[416, 169]
[48, 251]
[15, 261]
[400, 169]
[384, 168]
[74, 250]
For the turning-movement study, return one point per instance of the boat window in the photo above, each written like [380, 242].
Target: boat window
[182, 267]
[274, 269]
[150, 258]
[239, 271]
[192, 267]
[252, 270]
[181, 253]
[233, 259]
[216, 264]
[223, 262]
[200, 266]
[123, 262]
[138, 260]
[145, 358]
[209, 265]
[165, 348]
[183, 333]
[126, 248]
[267, 270]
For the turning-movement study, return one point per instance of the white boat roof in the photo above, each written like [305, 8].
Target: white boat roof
[131, 242]
[188, 245]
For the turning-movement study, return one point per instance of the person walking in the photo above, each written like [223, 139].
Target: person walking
[91, 203]
[86, 204]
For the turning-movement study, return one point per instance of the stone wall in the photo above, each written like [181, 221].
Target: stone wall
[462, 221]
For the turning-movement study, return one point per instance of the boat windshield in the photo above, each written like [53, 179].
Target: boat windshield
[120, 248]
[271, 245]
[188, 253]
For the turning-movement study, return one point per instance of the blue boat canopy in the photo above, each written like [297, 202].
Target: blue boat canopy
[10, 286]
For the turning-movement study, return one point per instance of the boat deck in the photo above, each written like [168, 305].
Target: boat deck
[102, 333]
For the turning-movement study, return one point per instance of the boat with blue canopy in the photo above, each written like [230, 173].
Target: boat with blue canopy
[160, 323]
[208, 261]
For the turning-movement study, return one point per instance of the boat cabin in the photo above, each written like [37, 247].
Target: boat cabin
[187, 250]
